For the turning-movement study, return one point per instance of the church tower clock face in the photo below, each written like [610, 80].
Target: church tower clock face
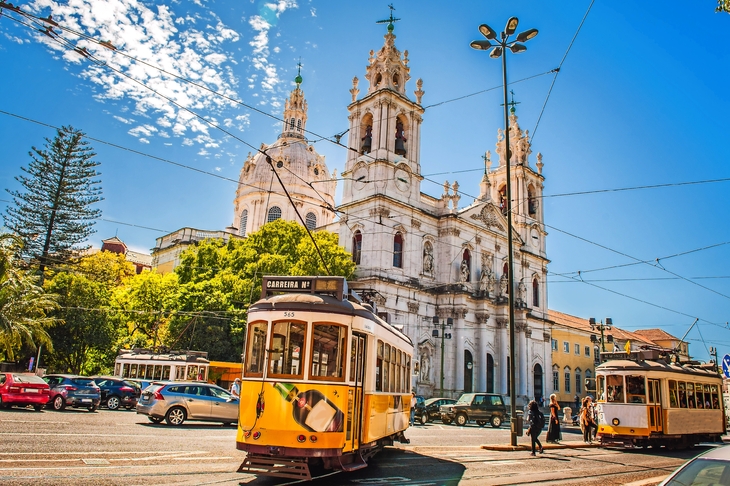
[361, 177]
[402, 180]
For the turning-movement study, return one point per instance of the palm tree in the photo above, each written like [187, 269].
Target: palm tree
[23, 304]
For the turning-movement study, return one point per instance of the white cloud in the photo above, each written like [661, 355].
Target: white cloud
[126, 121]
[144, 140]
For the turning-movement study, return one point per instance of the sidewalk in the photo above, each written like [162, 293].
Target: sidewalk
[563, 444]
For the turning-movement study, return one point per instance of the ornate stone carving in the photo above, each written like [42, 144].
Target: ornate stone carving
[501, 323]
[449, 232]
[383, 212]
[488, 217]
[354, 91]
[413, 307]
[415, 223]
[482, 317]
[528, 333]
[546, 337]
[419, 92]
[464, 272]
[478, 240]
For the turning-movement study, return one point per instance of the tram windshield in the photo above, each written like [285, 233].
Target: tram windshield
[287, 349]
[635, 389]
[328, 352]
[615, 388]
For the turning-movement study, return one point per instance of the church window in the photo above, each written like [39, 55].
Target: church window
[398, 250]
[490, 373]
[243, 222]
[311, 221]
[378, 80]
[395, 80]
[356, 247]
[279, 164]
[535, 292]
[567, 377]
[299, 125]
[531, 202]
[291, 124]
[274, 214]
[316, 171]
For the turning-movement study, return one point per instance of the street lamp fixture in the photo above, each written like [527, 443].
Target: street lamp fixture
[443, 325]
[602, 327]
[499, 48]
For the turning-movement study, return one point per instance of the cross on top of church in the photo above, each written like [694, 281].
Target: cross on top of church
[390, 20]
[298, 79]
[513, 103]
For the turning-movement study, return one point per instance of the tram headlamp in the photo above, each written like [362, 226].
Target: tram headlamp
[301, 438]
[256, 435]
[615, 422]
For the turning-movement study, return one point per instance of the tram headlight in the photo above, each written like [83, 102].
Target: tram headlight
[301, 438]
[256, 435]
[615, 422]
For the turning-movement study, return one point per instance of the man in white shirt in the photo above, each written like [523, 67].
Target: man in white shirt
[236, 388]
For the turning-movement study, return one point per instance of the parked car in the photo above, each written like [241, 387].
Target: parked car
[23, 389]
[176, 402]
[709, 468]
[431, 409]
[73, 391]
[139, 383]
[116, 392]
[480, 407]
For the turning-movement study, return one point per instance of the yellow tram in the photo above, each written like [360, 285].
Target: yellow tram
[643, 400]
[326, 382]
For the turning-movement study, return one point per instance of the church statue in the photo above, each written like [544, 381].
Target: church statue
[400, 139]
[427, 259]
[425, 367]
[503, 285]
[367, 140]
[464, 271]
[521, 291]
[487, 280]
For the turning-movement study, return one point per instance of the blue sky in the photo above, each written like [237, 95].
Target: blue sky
[639, 101]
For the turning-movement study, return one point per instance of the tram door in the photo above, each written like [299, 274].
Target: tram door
[357, 374]
[655, 406]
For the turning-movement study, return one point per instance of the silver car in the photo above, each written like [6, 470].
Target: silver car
[708, 469]
[176, 402]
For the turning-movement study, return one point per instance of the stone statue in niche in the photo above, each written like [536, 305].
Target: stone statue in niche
[487, 280]
[464, 271]
[427, 259]
[503, 285]
[425, 367]
[367, 140]
[400, 139]
[521, 291]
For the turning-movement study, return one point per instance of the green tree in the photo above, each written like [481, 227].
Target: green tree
[723, 6]
[53, 214]
[85, 333]
[24, 306]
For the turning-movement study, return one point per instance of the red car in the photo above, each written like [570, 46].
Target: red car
[23, 389]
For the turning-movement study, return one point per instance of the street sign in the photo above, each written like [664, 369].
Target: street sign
[726, 366]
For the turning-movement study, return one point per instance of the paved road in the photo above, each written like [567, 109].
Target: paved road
[123, 448]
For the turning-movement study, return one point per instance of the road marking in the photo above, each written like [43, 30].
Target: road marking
[96, 452]
[33, 422]
[96, 462]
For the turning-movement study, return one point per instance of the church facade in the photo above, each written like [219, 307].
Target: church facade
[435, 268]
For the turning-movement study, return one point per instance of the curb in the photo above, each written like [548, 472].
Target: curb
[527, 447]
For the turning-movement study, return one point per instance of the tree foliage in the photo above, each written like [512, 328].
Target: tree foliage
[53, 214]
[723, 6]
[24, 306]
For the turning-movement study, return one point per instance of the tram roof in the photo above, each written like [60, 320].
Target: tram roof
[652, 365]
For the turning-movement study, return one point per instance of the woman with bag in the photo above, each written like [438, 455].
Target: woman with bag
[553, 433]
[586, 420]
[537, 422]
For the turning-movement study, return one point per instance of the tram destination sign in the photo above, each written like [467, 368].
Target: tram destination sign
[336, 286]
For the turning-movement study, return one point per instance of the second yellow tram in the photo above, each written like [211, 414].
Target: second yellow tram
[325, 381]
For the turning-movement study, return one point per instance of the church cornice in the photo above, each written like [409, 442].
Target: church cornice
[386, 93]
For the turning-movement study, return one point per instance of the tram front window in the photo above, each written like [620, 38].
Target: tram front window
[601, 387]
[287, 349]
[615, 388]
[255, 349]
[635, 389]
[328, 348]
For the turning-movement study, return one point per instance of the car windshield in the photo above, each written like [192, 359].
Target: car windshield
[466, 398]
[83, 381]
[702, 472]
[28, 379]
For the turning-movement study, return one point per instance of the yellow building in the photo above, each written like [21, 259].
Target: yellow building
[574, 356]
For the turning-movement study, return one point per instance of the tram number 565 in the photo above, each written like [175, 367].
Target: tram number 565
[288, 314]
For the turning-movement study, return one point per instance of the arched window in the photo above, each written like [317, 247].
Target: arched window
[537, 381]
[398, 250]
[505, 274]
[535, 292]
[578, 381]
[356, 247]
[531, 201]
[490, 373]
[567, 378]
[556, 378]
[311, 221]
[243, 222]
[428, 258]
[274, 214]
[299, 125]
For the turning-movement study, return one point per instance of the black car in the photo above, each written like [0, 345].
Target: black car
[430, 409]
[116, 392]
[479, 407]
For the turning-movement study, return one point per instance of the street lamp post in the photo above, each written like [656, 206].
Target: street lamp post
[444, 336]
[602, 327]
[499, 49]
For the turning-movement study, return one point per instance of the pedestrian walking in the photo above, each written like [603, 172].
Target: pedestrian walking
[577, 403]
[553, 432]
[414, 401]
[236, 388]
[537, 421]
[587, 422]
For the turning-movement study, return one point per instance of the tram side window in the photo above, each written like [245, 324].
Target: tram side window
[691, 395]
[255, 349]
[125, 370]
[179, 373]
[328, 352]
[715, 399]
[287, 349]
[682, 395]
[699, 395]
[635, 389]
[353, 357]
[133, 371]
[386, 368]
[379, 368]
[615, 388]
[673, 403]
[408, 370]
[601, 387]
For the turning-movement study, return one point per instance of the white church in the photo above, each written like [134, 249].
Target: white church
[435, 269]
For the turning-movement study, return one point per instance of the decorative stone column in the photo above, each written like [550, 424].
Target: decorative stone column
[459, 336]
[481, 360]
[522, 358]
[503, 355]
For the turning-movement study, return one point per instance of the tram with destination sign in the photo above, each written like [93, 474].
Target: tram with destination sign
[326, 382]
[643, 400]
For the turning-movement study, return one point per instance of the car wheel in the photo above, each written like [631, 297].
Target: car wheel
[424, 418]
[461, 419]
[496, 421]
[446, 421]
[175, 416]
[481, 423]
[113, 402]
[38, 408]
[93, 408]
[58, 403]
[155, 420]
